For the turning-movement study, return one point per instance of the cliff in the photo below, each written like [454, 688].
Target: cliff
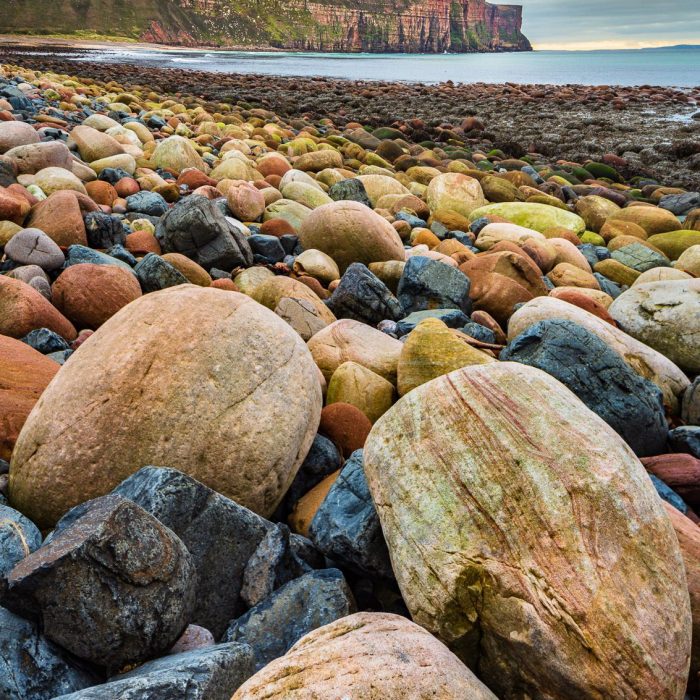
[428, 26]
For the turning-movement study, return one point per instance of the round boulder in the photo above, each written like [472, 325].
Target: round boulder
[366, 655]
[90, 294]
[351, 232]
[203, 380]
[525, 535]
[665, 316]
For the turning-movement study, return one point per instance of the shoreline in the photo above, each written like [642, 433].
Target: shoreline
[653, 126]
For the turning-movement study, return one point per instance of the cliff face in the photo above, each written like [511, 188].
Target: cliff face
[411, 26]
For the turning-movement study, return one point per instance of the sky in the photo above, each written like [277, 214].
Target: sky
[609, 24]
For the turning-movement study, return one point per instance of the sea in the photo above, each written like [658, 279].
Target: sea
[678, 67]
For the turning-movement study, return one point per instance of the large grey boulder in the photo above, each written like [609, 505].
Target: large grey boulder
[300, 606]
[31, 667]
[220, 535]
[346, 526]
[112, 586]
[628, 403]
[212, 673]
[197, 228]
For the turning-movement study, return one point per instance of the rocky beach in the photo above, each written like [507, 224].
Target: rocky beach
[317, 389]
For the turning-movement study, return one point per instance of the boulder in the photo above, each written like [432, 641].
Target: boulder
[688, 535]
[429, 284]
[346, 426]
[362, 296]
[538, 217]
[15, 133]
[273, 563]
[351, 232]
[525, 534]
[455, 192]
[212, 673]
[176, 153]
[691, 403]
[348, 340]
[346, 527]
[647, 362]
[652, 219]
[60, 217]
[135, 577]
[376, 186]
[93, 144]
[88, 295]
[599, 376]
[430, 351]
[33, 157]
[19, 537]
[155, 273]
[304, 316]
[196, 228]
[354, 384]
[680, 472]
[665, 316]
[32, 666]
[31, 246]
[22, 309]
[273, 626]
[220, 535]
[272, 290]
[248, 383]
[366, 655]
[52, 179]
[24, 374]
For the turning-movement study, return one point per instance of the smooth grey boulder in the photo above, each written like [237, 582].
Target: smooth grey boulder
[362, 296]
[33, 247]
[197, 228]
[220, 535]
[429, 284]
[273, 564]
[19, 537]
[212, 673]
[112, 585]
[31, 667]
[598, 375]
[300, 606]
[346, 526]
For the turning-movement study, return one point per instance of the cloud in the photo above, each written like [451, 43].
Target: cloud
[610, 23]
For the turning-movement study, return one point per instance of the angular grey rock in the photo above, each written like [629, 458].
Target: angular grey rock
[627, 402]
[351, 189]
[155, 273]
[212, 673]
[273, 564]
[680, 204]
[429, 284]
[33, 247]
[639, 257]
[112, 585]
[19, 537]
[197, 228]
[362, 296]
[78, 254]
[685, 439]
[690, 411]
[346, 526]
[305, 604]
[31, 667]
[45, 341]
[104, 230]
[452, 318]
[323, 459]
[220, 535]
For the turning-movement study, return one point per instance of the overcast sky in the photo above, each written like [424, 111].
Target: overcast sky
[590, 24]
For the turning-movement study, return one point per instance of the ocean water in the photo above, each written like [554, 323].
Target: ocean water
[678, 67]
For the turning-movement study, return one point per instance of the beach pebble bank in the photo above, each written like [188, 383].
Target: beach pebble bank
[303, 407]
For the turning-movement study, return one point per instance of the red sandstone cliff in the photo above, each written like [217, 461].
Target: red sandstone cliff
[426, 26]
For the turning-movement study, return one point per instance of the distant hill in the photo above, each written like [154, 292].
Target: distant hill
[425, 26]
[676, 46]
